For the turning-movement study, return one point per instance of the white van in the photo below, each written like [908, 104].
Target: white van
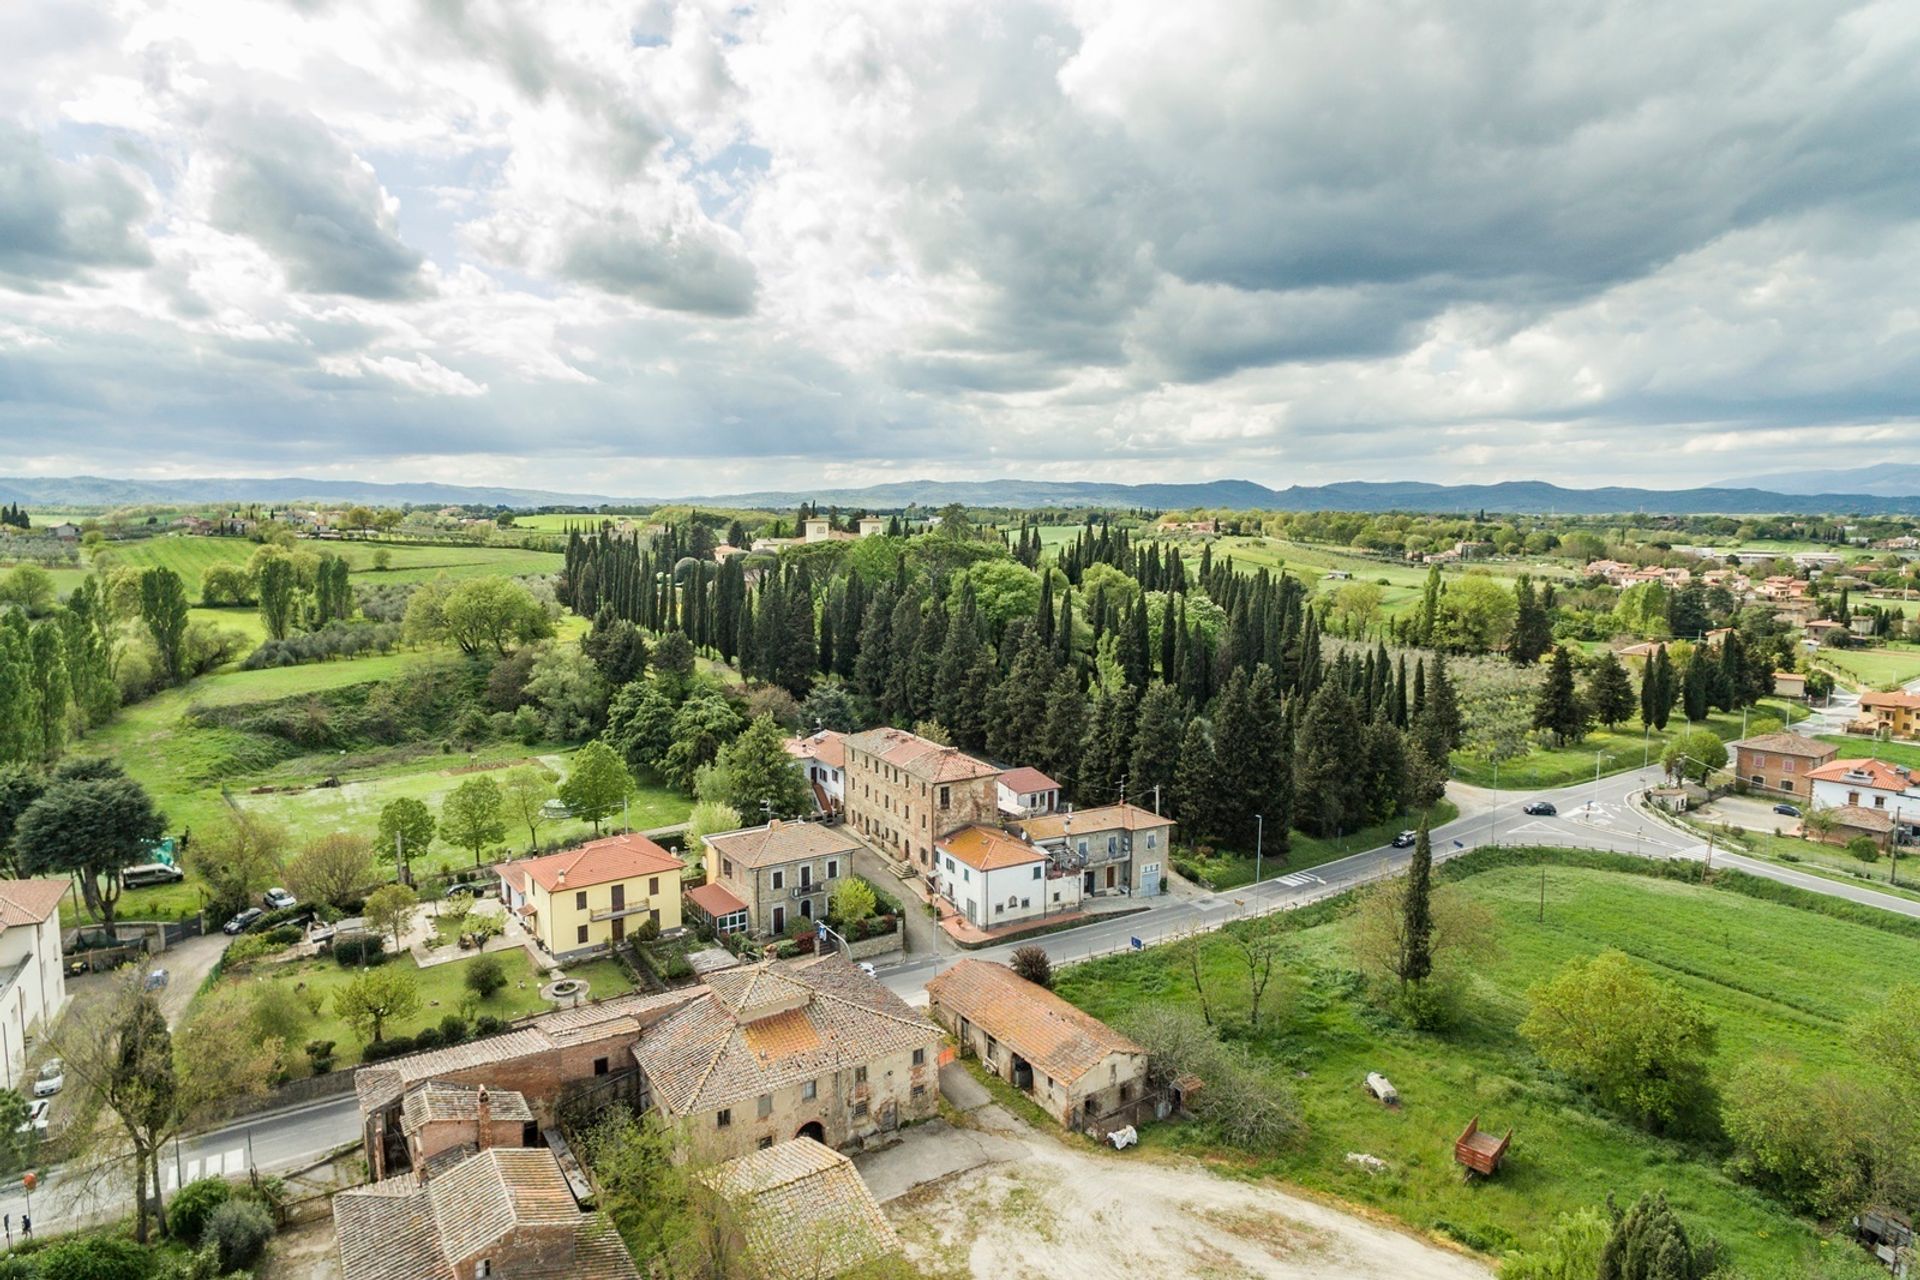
[151, 873]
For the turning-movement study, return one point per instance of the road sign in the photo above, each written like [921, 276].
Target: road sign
[1137, 944]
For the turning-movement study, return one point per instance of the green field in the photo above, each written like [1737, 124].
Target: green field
[442, 991]
[192, 556]
[1615, 751]
[1765, 971]
[1888, 667]
[1852, 748]
[1230, 870]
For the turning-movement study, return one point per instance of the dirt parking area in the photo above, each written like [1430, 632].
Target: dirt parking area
[1031, 1205]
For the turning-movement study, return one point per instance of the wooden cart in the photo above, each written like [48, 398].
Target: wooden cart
[1478, 1152]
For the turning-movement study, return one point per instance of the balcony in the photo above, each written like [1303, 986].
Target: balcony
[637, 908]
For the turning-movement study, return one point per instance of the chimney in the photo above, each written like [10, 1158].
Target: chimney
[560, 878]
[483, 1119]
[773, 824]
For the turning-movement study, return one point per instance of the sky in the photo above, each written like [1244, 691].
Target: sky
[660, 248]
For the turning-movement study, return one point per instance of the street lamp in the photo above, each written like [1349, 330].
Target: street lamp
[1259, 838]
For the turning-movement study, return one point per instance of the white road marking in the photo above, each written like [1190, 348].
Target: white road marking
[1300, 878]
[236, 1162]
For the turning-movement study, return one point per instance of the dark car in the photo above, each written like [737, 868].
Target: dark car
[1540, 808]
[1405, 840]
[1791, 810]
[242, 922]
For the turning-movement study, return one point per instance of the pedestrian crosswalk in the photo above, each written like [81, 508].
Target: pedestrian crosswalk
[1301, 879]
[224, 1164]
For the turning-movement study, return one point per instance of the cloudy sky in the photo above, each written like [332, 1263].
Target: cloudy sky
[663, 248]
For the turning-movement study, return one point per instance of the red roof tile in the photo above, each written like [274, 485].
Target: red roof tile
[597, 862]
[1026, 780]
[715, 900]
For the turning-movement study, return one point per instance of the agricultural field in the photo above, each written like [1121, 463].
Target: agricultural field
[1763, 971]
[192, 556]
[1888, 667]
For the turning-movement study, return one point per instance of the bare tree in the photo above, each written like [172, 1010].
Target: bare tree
[1259, 952]
[1190, 953]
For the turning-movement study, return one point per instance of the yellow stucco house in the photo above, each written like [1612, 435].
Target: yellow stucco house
[587, 899]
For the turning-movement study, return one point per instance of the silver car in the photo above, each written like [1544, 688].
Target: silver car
[51, 1080]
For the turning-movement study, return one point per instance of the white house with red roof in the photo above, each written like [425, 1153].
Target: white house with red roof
[1028, 793]
[822, 760]
[1865, 784]
[33, 978]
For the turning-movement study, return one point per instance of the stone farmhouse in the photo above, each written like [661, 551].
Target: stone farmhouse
[777, 873]
[904, 792]
[1116, 848]
[804, 1211]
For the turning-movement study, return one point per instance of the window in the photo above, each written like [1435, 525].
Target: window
[966, 875]
[1126, 1092]
[1759, 780]
[919, 1092]
[600, 1066]
[1037, 870]
[765, 1105]
[1786, 764]
[809, 1091]
[581, 933]
[726, 867]
[482, 1269]
[859, 1075]
[946, 797]
[919, 1057]
[766, 1142]
[619, 897]
[1025, 903]
[1153, 838]
[806, 874]
[1786, 784]
[859, 1111]
[580, 900]
[779, 879]
[1879, 802]
[1113, 843]
[1853, 797]
[999, 910]
[653, 886]
[1083, 844]
[833, 868]
[723, 1118]
[950, 866]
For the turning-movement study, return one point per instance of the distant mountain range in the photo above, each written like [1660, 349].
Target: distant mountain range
[1887, 496]
[1887, 480]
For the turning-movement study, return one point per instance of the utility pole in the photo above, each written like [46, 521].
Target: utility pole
[1542, 917]
[1259, 837]
[1156, 799]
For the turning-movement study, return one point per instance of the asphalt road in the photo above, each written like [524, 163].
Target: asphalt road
[1592, 815]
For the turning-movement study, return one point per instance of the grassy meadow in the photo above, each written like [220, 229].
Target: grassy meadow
[1887, 667]
[1229, 869]
[191, 556]
[1766, 972]
[1616, 750]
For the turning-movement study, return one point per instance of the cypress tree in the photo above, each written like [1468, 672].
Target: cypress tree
[1194, 783]
[1162, 722]
[1558, 708]
[1609, 691]
[1416, 931]
[1057, 752]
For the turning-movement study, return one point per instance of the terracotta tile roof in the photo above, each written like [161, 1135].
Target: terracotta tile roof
[602, 861]
[402, 1229]
[1081, 822]
[715, 1052]
[1027, 780]
[1053, 1035]
[1908, 700]
[921, 758]
[24, 902]
[433, 1100]
[805, 1211]
[1788, 744]
[988, 849]
[826, 746]
[1861, 818]
[1866, 773]
[382, 1084]
[781, 842]
[715, 900]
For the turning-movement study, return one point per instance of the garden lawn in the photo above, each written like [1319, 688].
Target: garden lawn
[1229, 869]
[1883, 668]
[1627, 747]
[1852, 748]
[1767, 973]
[442, 991]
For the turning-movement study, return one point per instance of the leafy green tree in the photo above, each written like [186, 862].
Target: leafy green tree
[163, 607]
[1033, 963]
[375, 999]
[1695, 753]
[493, 613]
[406, 829]
[90, 822]
[48, 689]
[332, 870]
[1609, 690]
[277, 587]
[20, 786]
[1636, 1041]
[754, 774]
[853, 902]
[472, 816]
[485, 976]
[1558, 709]
[1476, 615]
[597, 785]
[524, 795]
[30, 589]
[239, 859]
[390, 910]
[702, 725]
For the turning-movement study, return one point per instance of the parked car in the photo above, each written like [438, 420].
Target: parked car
[278, 899]
[471, 889]
[1405, 839]
[36, 1121]
[242, 922]
[1539, 808]
[51, 1080]
[1791, 810]
[151, 873]
[157, 978]
[867, 969]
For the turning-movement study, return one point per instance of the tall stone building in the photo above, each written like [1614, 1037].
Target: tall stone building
[904, 792]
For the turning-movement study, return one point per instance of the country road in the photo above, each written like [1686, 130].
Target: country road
[1592, 815]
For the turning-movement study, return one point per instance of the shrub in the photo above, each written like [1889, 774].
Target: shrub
[677, 968]
[1863, 848]
[249, 947]
[367, 948]
[485, 976]
[1034, 964]
[487, 1025]
[453, 1029]
[283, 935]
[648, 931]
[428, 1038]
[193, 1206]
[95, 1258]
[239, 1231]
[391, 1047]
[320, 1054]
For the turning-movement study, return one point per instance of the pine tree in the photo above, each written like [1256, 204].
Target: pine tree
[1415, 963]
[1057, 752]
[874, 667]
[1558, 708]
[1017, 708]
[1162, 723]
[1696, 686]
[953, 704]
[1649, 1243]
[1609, 690]
[1385, 752]
[1328, 764]
[1532, 629]
[1194, 783]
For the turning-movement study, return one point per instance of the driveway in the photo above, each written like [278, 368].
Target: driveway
[925, 937]
[1012, 1201]
[187, 964]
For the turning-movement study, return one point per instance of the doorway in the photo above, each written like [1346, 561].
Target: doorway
[812, 1129]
